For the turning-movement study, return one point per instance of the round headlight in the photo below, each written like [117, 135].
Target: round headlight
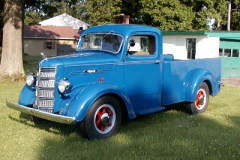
[63, 85]
[31, 80]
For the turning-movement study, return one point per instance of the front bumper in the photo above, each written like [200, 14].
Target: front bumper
[42, 114]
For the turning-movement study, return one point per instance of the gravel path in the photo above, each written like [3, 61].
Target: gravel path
[232, 81]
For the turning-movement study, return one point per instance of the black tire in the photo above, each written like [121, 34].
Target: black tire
[103, 118]
[201, 101]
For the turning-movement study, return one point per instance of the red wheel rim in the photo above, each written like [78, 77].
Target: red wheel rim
[104, 118]
[200, 100]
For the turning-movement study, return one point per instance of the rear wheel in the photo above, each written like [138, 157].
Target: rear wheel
[201, 101]
[103, 118]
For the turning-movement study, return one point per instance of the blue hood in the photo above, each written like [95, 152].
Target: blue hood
[80, 58]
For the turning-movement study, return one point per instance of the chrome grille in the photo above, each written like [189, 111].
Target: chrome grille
[46, 83]
[45, 89]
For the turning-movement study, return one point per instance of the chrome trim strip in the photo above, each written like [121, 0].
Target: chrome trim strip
[140, 62]
[42, 114]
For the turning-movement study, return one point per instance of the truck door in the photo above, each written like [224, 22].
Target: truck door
[142, 73]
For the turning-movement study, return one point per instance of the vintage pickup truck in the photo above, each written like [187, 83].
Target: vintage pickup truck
[118, 71]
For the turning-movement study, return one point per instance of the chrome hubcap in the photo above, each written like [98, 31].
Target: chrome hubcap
[105, 118]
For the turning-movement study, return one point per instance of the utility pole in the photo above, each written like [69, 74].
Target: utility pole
[229, 17]
[230, 14]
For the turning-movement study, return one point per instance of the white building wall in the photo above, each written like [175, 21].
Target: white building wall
[175, 45]
[206, 47]
[137, 46]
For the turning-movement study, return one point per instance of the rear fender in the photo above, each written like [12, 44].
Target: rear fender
[87, 96]
[195, 80]
[27, 96]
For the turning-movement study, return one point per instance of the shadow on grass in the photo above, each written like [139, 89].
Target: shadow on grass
[165, 135]
[51, 127]
[64, 129]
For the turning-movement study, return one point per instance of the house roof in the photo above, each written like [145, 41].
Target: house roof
[50, 32]
[184, 33]
[226, 34]
[64, 20]
[235, 35]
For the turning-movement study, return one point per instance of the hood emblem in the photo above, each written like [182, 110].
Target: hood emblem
[91, 71]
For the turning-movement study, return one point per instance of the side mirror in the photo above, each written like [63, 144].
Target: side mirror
[132, 43]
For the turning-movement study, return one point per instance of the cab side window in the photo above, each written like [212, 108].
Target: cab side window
[144, 45]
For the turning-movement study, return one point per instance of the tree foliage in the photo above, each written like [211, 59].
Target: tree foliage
[101, 11]
[167, 15]
[32, 17]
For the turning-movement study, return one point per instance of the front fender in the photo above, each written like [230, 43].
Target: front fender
[87, 96]
[27, 96]
[195, 80]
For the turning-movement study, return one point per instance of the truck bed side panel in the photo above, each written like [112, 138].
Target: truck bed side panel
[177, 75]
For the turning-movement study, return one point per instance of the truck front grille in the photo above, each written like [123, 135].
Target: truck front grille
[45, 89]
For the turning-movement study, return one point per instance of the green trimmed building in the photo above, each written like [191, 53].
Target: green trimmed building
[205, 44]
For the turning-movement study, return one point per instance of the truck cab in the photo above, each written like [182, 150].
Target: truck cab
[117, 70]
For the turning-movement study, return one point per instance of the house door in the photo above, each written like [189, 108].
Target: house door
[230, 63]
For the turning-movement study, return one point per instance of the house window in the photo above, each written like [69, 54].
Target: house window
[191, 48]
[220, 52]
[49, 45]
[227, 52]
[144, 44]
[235, 53]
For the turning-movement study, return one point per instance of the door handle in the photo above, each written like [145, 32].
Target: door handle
[157, 62]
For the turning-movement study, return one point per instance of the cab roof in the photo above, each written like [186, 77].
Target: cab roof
[124, 29]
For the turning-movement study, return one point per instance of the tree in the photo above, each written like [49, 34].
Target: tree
[11, 61]
[32, 17]
[1, 25]
[12, 47]
[132, 9]
[101, 11]
[167, 15]
[220, 14]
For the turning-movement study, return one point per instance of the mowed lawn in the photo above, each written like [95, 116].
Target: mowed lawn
[171, 134]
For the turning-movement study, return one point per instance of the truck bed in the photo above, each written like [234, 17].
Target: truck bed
[179, 73]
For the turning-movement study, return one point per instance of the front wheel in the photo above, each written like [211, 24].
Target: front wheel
[103, 118]
[201, 101]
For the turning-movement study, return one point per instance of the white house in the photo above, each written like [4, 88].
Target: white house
[65, 20]
[190, 45]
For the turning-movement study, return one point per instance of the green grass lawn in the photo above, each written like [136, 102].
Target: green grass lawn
[30, 63]
[171, 134]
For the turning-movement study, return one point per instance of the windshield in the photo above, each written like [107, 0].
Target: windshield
[101, 41]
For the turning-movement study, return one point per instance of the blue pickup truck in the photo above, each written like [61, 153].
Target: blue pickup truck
[117, 72]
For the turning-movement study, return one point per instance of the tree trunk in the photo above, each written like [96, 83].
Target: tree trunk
[12, 47]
